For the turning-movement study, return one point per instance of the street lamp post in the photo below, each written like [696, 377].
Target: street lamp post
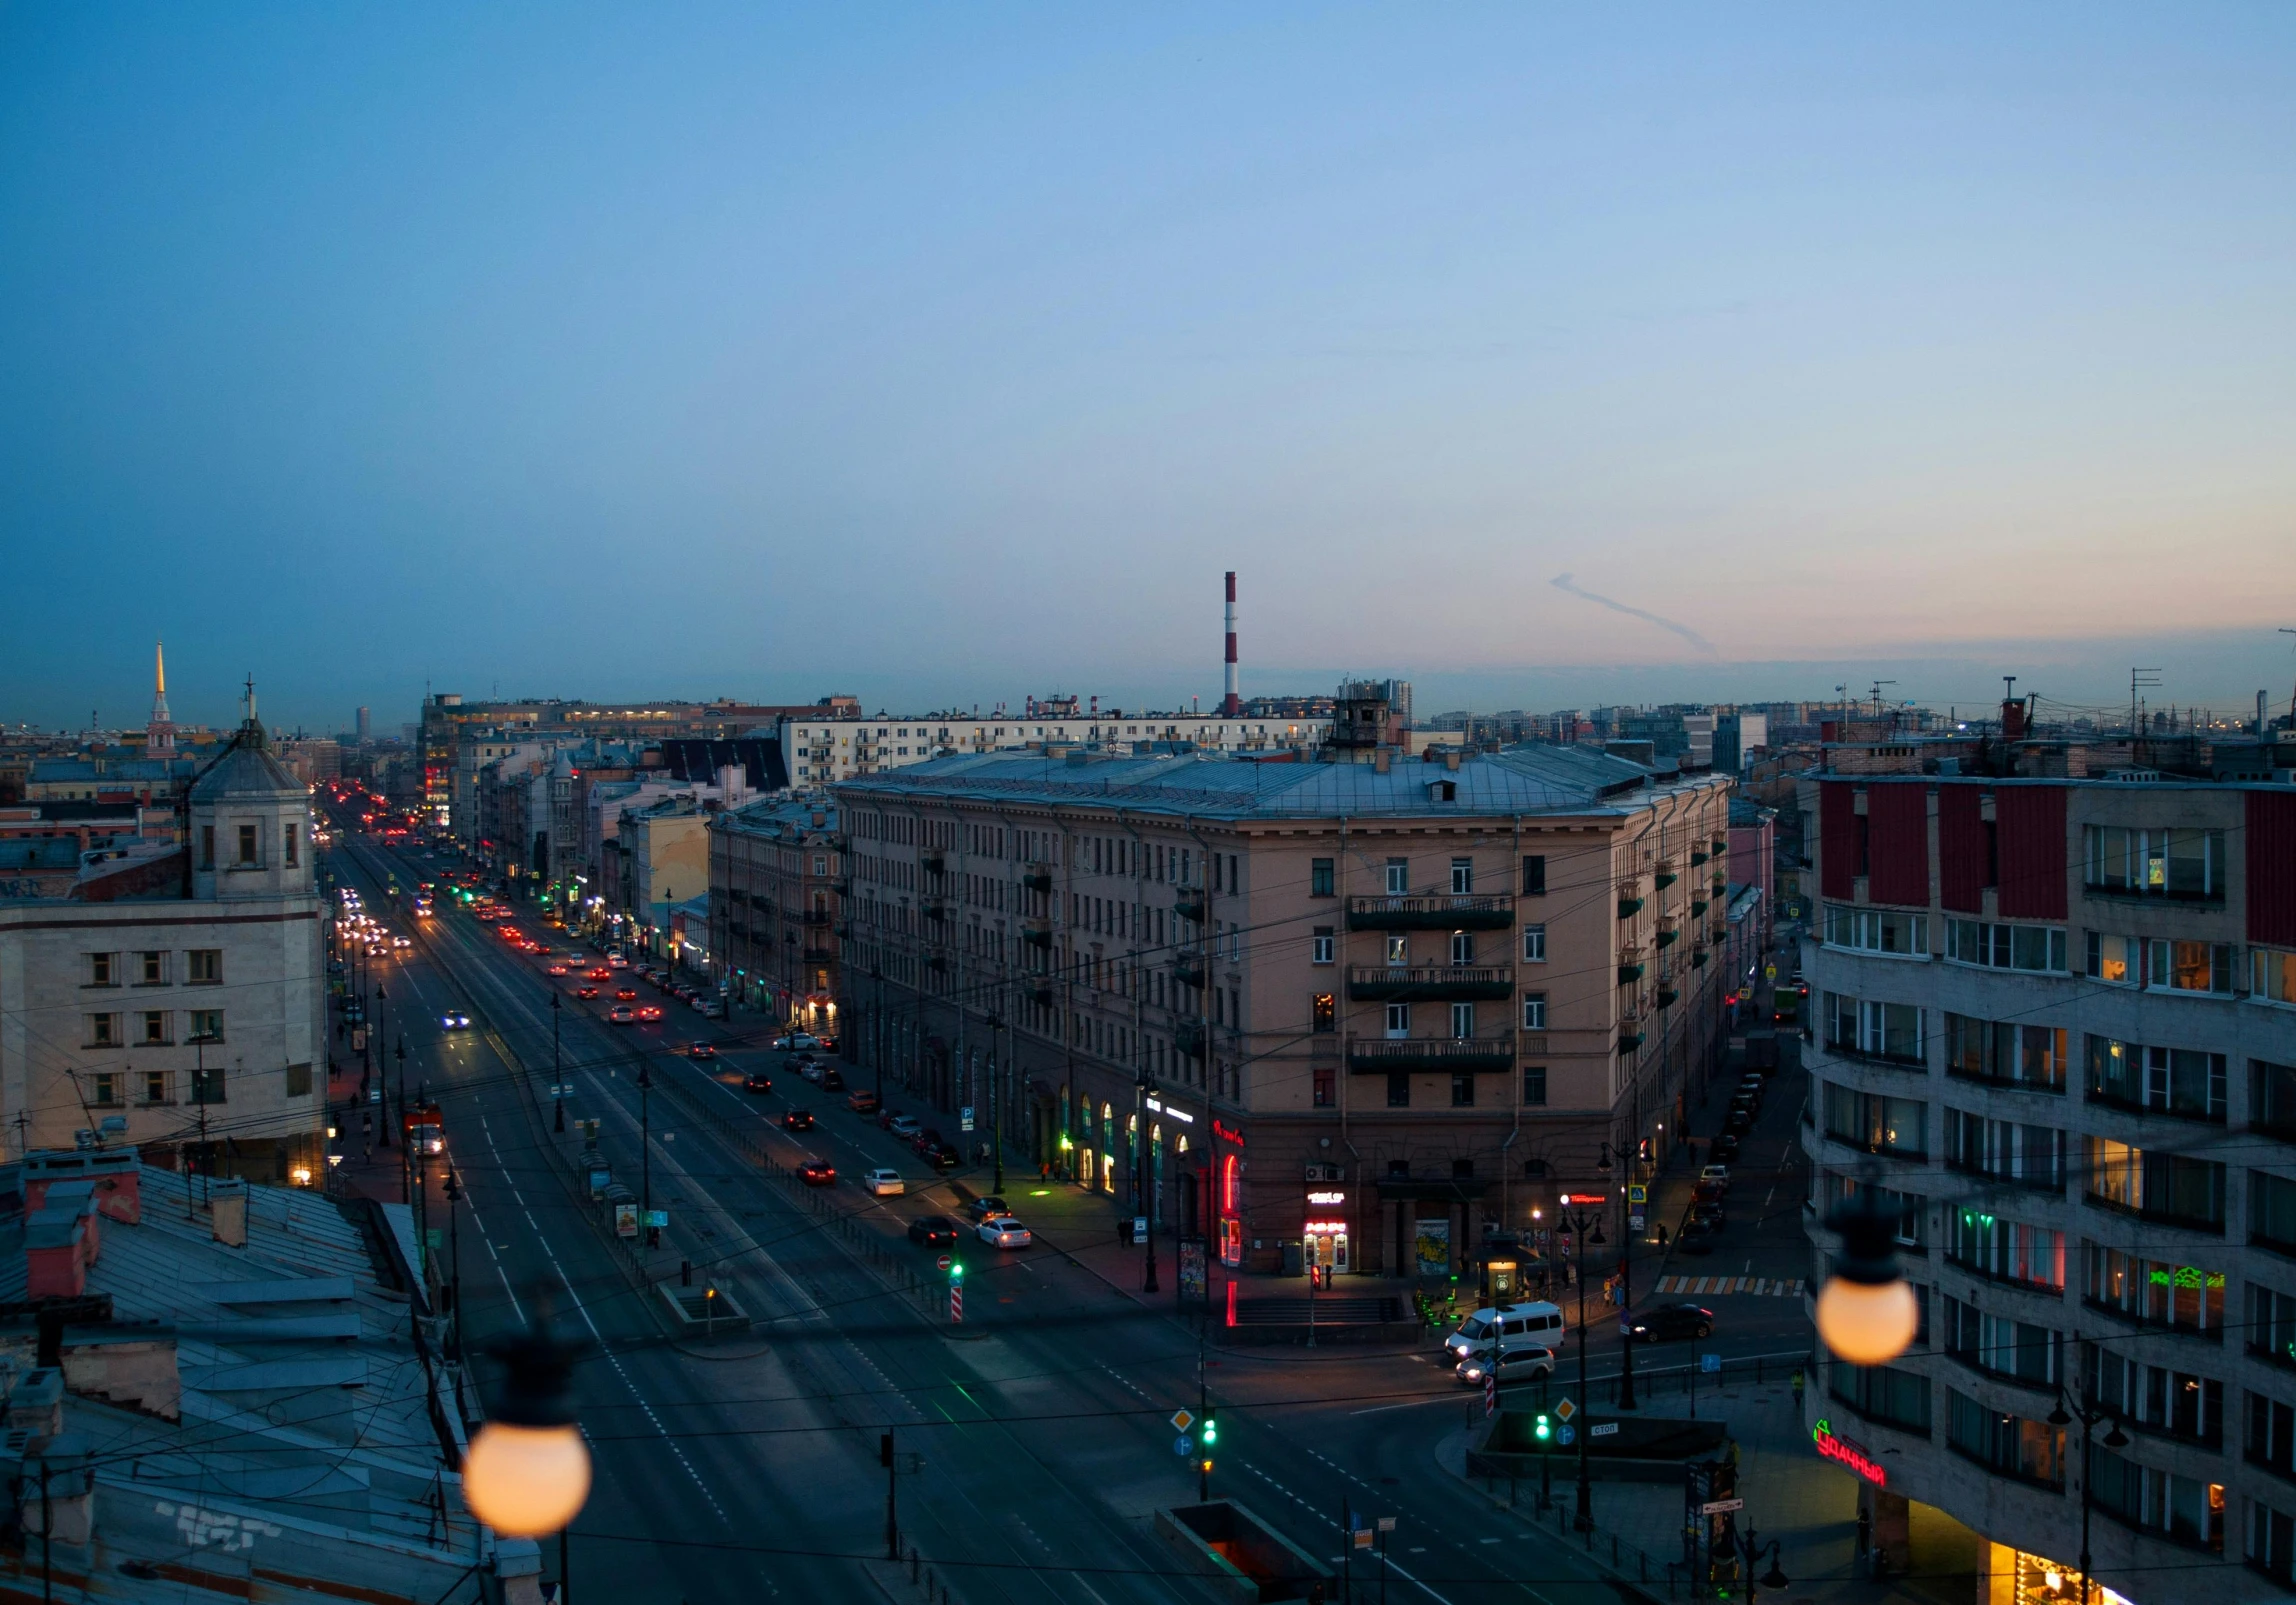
[996, 1113]
[527, 1472]
[454, 1259]
[1145, 1204]
[1750, 1545]
[1626, 1399]
[645, 1142]
[2088, 1414]
[557, 1082]
[1586, 1230]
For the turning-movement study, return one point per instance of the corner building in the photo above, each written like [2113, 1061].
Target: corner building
[2055, 1018]
[1362, 1006]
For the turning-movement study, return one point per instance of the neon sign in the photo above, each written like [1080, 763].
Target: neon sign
[1327, 1198]
[1222, 1129]
[1324, 1228]
[1844, 1453]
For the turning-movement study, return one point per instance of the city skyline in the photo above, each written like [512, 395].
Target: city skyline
[762, 354]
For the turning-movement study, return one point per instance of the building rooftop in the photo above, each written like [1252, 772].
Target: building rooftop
[1519, 780]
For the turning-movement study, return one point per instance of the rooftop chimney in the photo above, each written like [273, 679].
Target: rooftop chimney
[1231, 705]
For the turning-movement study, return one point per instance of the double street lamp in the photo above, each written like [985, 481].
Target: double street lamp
[2088, 1413]
[1626, 1399]
[1585, 1227]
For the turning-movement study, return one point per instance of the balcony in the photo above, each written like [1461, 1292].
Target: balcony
[1697, 907]
[935, 908]
[1037, 878]
[1720, 846]
[935, 861]
[2163, 1217]
[820, 955]
[1036, 932]
[1698, 958]
[1372, 1056]
[1668, 997]
[1629, 905]
[1188, 969]
[1631, 971]
[817, 916]
[1665, 877]
[1042, 994]
[1190, 904]
[1697, 856]
[1188, 1036]
[2053, 1184]
[1630, 1034]
[1460, 983]
[1472, 912]
[1669, 936]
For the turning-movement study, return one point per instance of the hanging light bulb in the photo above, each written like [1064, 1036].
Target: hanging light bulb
[1866, 1313]
[528, 1471]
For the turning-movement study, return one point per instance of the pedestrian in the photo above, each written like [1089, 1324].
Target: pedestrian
[1797, 1388]
[1662, 1234]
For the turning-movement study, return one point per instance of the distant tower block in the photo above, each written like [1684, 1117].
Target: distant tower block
[1231, 705]
[365, 724]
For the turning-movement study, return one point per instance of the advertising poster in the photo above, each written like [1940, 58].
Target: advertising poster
[1434, 1247]
[1195, 1282]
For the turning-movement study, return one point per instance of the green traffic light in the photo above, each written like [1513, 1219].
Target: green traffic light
[956, 1270]
[1211, 1431]
[1543, 1427]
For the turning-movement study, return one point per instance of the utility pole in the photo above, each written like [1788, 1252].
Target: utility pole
[645, 1142]
[2292, 696]
[2138, 680]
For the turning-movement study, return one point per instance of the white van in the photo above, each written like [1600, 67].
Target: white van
[1518, 1326]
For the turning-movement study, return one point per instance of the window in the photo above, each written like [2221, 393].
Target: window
[1462, 1092]
[1462, 1021]
[152, 967]
[2272, 1543]
[1462, 876]
[1398, 1090]
[1874, 930]
[1874, 1030]
[1880, 1393]
[2170, 1187]
[2115, 960]
[2005, 1250]
[249, 846]
[2158, 1398]
[2040, 948]
[1399, 1019]
[1535, 1085]
[2270, 1441]
[290, 843]
[1326, 1012]
[1398, 876]
[2032, 1451]
[1326, 1087]
[1323, 946]
[204, 966]
[1398, 949]
[1534, 1011]
[103, 969]
[2189, 967]
[104, 1089]
[155, 1086]
[1535, 875]
[1877, 1124]
[1534, 944]
[2272, 1211]
[2179, 863]
[207, 1084]
[207, 847]
[206, 1025]
[2183, 1509]
[2027, 1155]
[299, 1081]
[2275, 978]
[1462, 947]
[2007, 1054]
[1320, 881]
[2175, 1081]
[2156, 1292]
[153, 1031]
[2271, 1325]
[2005, 1348]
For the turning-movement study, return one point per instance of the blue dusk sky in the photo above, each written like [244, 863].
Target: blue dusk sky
[949, 354]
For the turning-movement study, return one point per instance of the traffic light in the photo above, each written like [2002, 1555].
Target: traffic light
[956, 1270]
[1211, 1431]
[1543, 1427]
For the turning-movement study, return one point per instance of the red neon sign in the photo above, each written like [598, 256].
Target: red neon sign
[1847, 1454]
[1221, 1128]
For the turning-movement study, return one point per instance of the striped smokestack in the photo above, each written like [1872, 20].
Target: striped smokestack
[1231, 705]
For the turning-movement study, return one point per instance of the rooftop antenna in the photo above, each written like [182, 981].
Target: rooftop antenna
[2139, 679]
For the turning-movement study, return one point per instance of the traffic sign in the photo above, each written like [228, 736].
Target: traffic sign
[1181, 1446]
[1715, 1507]
[1637, 1193]
[1607, 1429]
[1710, 1362]
[942, 1263]
[1769, 972]
[1565, 1410]
[1182, 1421]
[1568, 1434]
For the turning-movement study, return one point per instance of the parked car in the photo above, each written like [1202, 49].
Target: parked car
[795, 1041]
[1737, 1122]
[1518, 1364]
[1709, 1209]
[1669, 1321]
[818, 1173]
[934, 1231]
[1719, 1174]
[925, 1141]
[884, 1183]
[1707, 1192]
[1724, 1148]
[797, 1120]
[863, 1102]
[711, 1008]
[832, 1079]
[757, 1081]
[810, 1069]
[904, 1126]
[621, 1014]
[941, 1156]
[983, 1208]
[701, 1050]
[454, 1022]
[1698, 1237]
[1002, 1231]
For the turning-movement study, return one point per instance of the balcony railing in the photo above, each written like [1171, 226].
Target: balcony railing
[1188, 1037]
[1189, 905]
[2035, 1184]
[1372, 983]
[1668, 997]
[821, 955]
[1188, 969]
[2159, 1217]
[1038, 932]
[1628, 905]
[1037, 878]
[817, 916]
[1432, 1053]
[1464, 912]
[934, 860]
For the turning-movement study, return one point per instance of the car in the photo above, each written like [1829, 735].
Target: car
[402, 941]
[1698, 1237]
[454, 1022]
[810, 1069]
[1669, 1321]
[701, 1050]
[925, 1140]
[625, 994]
[863, 1102]
[942, 1156]
[601, 973]
[585, 992]
[795, 1041]
[1738, 1122]
[621, 1014]
[797, 1120]
[818, 1173]
[651, 1011]
[983, 1208]
[1716, 1173]
[616, 961]
[560, 969]
[934, 1231]
[832, 1080]
[1002, 1231]
[884, 1183]
[1519, 1364]
[712, 1009]
[905, 1127]
[1724, 1148]
[757, 1081]
[1709, 1209]
[1707, 1192]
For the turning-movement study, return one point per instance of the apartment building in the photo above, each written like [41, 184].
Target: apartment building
[776, 892]
[2055, 1024]
[172, 996]
[1357, 1007]
[820, 751]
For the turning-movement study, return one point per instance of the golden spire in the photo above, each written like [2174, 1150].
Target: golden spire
[159, 651]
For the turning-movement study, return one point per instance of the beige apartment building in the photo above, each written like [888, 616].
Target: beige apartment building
[777, 879]
[1355, 1006]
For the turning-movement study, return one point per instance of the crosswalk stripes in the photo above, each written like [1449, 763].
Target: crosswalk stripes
[1712, 1286]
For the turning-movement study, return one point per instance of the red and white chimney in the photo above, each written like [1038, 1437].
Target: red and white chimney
[1231, 705]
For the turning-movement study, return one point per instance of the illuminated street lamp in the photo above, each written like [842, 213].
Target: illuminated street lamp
[1866, 1313]
[527, 1472]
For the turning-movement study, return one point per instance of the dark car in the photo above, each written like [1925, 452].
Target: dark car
[831, 1081]
[702, 1050]
[934, 1231]
[797, 1120]
[1709, 1192]
[1670, 1321]
[1698, 1237]
[941, 1156]
[924, 1142]
[1709, 1209]
[1722, 1150]
[819, 1173]
[757, 1081]
[983, 1208]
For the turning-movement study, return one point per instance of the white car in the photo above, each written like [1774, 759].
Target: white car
[795, 1041]
[885, 1183]
[904, 1126]
[1002, 1231]
[454, 1022]
[1718, 1173]
[1514, 1365]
